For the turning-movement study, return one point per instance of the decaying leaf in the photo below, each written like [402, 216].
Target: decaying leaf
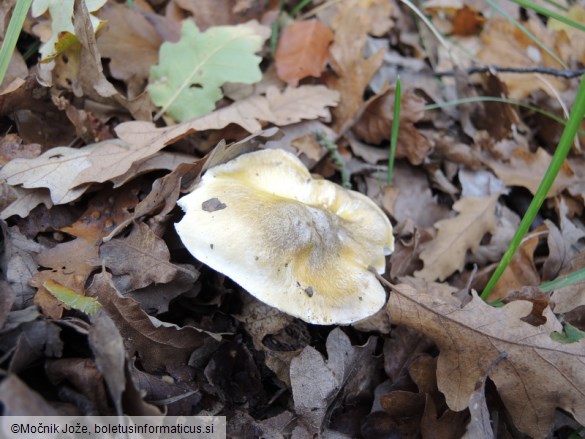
[186, 82]
[302, 50]
[536, 375]
[446, 253]
[316, 381]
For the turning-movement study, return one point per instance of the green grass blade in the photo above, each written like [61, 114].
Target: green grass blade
[565, 144]
[395, 128]
[551, 14]
[299, 7]
[527, 33]
[563, 281]
[462, 101]
[12, 33]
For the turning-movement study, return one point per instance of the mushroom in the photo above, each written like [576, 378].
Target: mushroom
[301, 245]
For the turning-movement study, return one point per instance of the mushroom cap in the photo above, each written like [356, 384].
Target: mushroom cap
[298, 244]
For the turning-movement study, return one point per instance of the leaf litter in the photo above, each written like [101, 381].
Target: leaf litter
[99, 297]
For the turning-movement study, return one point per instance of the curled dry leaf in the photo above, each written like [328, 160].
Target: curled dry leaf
[446, 253]
[302, 50]
[375, 125]
[537, 374]
[160, 347]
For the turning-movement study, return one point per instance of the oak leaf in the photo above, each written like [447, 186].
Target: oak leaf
[302, 51]
[186, 82]
[446, 253]
[536, 375]
[66, 171]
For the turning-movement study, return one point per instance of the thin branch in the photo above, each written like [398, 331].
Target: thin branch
[569, 74]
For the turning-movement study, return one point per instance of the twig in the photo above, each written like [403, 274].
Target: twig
[569, 74]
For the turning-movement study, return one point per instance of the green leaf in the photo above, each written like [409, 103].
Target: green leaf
[70, 298]
[186, 82]
[61, 12]
[569, 335]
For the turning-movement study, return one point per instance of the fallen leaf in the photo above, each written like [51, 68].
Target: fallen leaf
[142, 255]
[70, 263]
[483, 333]
[446, 253]
[302, 50]
[12, 147]
[160, 348]
[353, 71]
[467, 21]
[127, 34]
[375, 124]
[292, 106]
[315, 382]
[81, 376]
[505, 44]
[527, 169]
[19, 399]
[186, 82]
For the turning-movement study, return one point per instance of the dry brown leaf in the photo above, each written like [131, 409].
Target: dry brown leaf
[411, 197]
[26, 200]
[293, 105]
[527, 170]
[375, 125]
[302, 51]
[12, 147]
[537, 374]
[351, 22]
[70, 263]
[505, 44]
[521, 271]
[316, 382]
[208, 13]
[142, 255]
[160, 347]
[80, 70]
[446, 253]
[128, 35]
[65, 171]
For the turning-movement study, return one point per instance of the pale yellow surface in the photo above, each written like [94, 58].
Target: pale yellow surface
[298, 244]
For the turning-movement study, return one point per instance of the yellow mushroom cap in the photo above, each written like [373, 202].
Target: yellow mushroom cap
[298, 244]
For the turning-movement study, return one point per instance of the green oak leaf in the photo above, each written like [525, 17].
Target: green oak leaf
[186, 82]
